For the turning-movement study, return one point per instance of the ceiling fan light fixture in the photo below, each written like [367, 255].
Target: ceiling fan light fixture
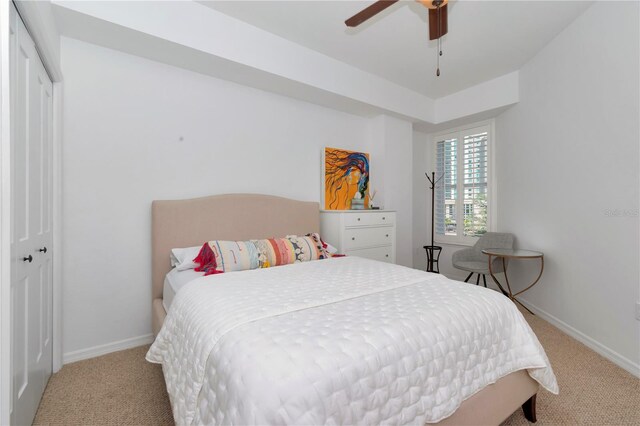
[433, 4]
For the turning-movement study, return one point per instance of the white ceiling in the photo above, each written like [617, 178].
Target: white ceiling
[486, 39]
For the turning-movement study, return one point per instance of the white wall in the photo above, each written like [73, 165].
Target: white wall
[392, 145]
[193, 36]
[566, 154]
[421, 199]
[124, 118]
[490, 95]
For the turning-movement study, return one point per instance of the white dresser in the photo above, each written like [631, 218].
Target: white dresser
[364, 233]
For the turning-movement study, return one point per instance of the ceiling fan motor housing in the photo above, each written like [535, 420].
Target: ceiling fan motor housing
[433, 4]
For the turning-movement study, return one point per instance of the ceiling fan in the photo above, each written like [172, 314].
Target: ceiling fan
[437, 18]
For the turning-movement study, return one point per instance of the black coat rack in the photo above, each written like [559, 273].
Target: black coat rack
[433, 251]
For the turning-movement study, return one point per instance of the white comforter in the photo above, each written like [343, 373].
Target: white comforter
[338, 341]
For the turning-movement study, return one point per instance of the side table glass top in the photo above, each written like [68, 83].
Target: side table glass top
[514, 253]
[505, 254]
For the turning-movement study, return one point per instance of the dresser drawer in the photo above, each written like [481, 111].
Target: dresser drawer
[383, 254]
[369, 218]
[368, 237]
[367, 233]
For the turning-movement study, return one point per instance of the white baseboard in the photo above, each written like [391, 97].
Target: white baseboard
[610, 354]
[95, 351]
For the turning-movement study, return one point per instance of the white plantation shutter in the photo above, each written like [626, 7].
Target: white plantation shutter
[462, 196]
[475, 183]
[446, 189]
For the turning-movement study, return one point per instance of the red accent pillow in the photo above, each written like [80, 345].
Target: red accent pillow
[207, 261]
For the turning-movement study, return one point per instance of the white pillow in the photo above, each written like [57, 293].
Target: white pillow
[182, 258]
[330, 249]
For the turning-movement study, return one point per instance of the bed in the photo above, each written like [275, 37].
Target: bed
[230, 351]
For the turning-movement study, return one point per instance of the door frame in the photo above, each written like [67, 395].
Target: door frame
[40, 23]
[5, 218]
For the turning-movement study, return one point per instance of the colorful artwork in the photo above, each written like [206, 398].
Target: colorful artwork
[346, 176]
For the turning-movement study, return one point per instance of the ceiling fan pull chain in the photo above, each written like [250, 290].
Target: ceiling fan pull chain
[438, 61]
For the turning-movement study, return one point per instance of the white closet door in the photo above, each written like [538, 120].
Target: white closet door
[31, 147]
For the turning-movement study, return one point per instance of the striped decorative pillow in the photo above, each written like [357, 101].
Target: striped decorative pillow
[217, 256]
[290, 249]
[320, 245]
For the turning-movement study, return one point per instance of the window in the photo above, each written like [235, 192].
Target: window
[462, 193]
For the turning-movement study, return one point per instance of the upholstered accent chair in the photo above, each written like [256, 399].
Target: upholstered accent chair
[474, 261]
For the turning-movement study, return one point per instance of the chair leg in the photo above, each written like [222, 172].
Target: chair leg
[467, 279]
[478, 279]
[484, 279]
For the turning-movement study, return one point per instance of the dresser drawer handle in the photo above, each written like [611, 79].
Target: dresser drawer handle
[353, 238]
[386, 255]
[383, 218]
[358, 219]
[387, 235]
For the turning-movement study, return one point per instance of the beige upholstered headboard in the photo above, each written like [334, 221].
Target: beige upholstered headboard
[187, 223]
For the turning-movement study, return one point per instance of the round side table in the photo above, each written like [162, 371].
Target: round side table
[513, 254]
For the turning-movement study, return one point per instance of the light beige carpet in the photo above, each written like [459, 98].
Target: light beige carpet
[123, 389]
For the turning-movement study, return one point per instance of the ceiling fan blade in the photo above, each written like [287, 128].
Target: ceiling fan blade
[433, 23]
[369, 12]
